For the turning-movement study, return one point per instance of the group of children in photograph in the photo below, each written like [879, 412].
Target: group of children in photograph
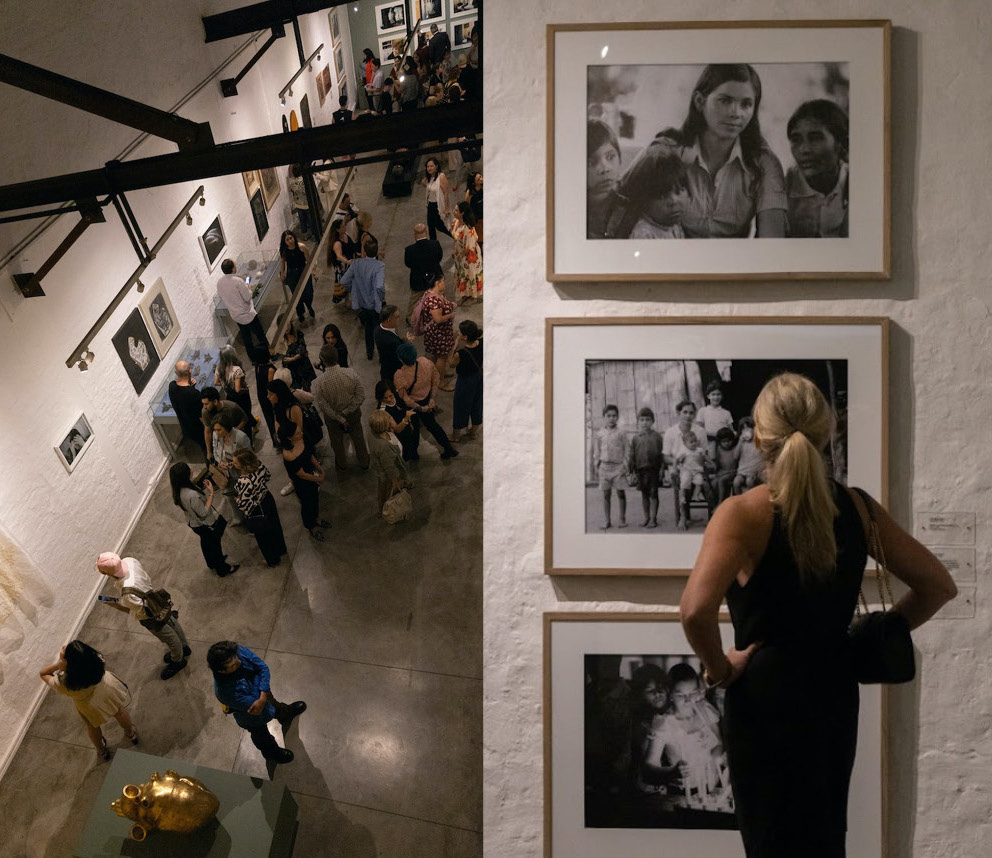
[705, 457]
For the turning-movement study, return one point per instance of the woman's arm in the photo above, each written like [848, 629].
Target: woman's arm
[282, 269]
[444, 193]
[49, 672]
[733, 544]
[306, 253]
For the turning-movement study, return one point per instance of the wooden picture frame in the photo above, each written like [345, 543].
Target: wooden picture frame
[251, 182]
[269, 180]
[636, 92]
[660, 362]
[572, 643]
[75, 440]
[160, 317]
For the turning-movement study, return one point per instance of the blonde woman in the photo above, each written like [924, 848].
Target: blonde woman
[789, 557]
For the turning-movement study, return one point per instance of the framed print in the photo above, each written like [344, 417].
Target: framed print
[160, 317]
[461, 33]
[338, 67]
[768, 138]
[75, 441]
[251, 182]
[335, 26]
[623, 699]
[620, 393]
[387, 49]
[258, 215]
[270, 184]
[212, 243]
[305, 119]
[136, 350]
[321, 89]
[460, 8]
[429, 12]
[325, 75]
[390, 17]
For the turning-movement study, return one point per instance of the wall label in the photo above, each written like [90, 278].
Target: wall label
[946, 528]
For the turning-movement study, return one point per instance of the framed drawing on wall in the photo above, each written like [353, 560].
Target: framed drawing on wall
[390, 17]
[605, 677]
[668, 378]
[259, 216]
[160, 317]
[769, 139]
[251, 182]
[325, 76]
[212, 243]
[335, 25]
[136, 350]
[270, 184]
[75, 441]
[321, 89]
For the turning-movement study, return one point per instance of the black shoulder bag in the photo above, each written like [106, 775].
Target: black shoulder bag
[881, 647]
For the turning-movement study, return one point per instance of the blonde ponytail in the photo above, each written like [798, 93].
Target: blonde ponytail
[793, 424]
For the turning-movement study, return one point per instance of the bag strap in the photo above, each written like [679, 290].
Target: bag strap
[413, 384]
[878, 553]
[469, 351]
[134, 590]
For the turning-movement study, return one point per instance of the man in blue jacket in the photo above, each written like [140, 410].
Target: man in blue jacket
[241, 684]
[366, 280]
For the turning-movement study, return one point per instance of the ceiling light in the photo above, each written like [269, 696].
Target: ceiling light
[83, 366]
[88, 356]
[282, 100]
[189, 219]
[289, 92]
[141, 287]
[203, 201]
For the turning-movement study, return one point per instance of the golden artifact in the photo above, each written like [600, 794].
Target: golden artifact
[170, 803]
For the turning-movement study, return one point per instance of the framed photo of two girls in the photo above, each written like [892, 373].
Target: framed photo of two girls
[768, 138]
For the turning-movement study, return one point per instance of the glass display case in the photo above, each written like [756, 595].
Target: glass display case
[260, 268]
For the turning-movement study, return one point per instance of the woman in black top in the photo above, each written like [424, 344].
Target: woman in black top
[789, 557]
[306, 473]
[332, 337]
[255, 500]
[467, 360]
[295, 257]
[404, 426]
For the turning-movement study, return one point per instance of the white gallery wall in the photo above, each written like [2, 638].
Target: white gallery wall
[939, 772]
[152, 51]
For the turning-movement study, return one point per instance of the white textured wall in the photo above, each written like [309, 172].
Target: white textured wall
[941, 403]
[152, 51]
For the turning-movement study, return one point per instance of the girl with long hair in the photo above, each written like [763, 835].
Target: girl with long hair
[294, 259]
[467, 253]
[438, 198]
[201, 517]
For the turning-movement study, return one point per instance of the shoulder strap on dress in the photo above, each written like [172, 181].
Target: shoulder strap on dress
[863, 504]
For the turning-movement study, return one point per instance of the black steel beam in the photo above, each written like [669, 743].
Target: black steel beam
[260, 16]
[300, 147]
[89, 214]
[188, 135]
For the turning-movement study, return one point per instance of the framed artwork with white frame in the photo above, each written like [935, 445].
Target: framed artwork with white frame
[589, 812]
[160, 317]
[461, 8]
[430, 12]
[770, 139]
[461, 33]
[390, 17]
[603, 375]
[76, 440]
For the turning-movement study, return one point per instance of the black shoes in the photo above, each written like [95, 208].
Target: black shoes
[231, 570]
[186, 654]
[295, 709]
[283, 755]
[450, 453]
[172, 668]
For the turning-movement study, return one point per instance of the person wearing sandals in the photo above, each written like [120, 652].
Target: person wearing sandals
[467, 361]
[80, 674]
[306, 473]
[259, 507]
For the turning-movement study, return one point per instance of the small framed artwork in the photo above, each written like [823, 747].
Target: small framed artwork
[321, 89]
[212, 243]
[285, 124]
[136, 349]
[390, 17]
[338, 65]
[258, 215]
[270, 185]
[387, 49]
[325, 76]
[460, 8]
[335, 26]
[251, 182]
[623, 703]
[429, 12]
[305, 119]
[461, 33]
[626, 491]
[160, 317]
[770, 139]
[75, 441]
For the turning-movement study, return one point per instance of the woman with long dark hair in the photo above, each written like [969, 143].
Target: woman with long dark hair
[81, 675]
[735, 182]
[789, 556]
[295, 257]
[259, 507]
[438, 198]
[230, 377]
[201, 517]
[331, 336]
[305, 471]
[467, 253]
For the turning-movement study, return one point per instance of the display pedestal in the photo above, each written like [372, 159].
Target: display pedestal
[257, 819]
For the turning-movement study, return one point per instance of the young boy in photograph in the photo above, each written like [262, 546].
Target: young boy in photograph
[610, 458]
[749, 463]
[646, 461]
[693, 464]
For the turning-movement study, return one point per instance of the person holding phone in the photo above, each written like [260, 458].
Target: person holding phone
[201, 517]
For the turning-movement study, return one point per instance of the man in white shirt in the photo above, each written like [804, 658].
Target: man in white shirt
[236, 295]
[128, 573]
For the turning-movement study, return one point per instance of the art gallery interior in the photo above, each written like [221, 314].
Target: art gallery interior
[426, 727]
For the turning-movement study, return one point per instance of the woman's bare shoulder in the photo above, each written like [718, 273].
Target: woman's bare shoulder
[748, 516]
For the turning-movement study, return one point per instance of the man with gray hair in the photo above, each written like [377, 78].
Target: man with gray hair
[185, 399]
[339, 395]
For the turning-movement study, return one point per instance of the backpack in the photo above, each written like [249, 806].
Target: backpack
[156, 603]
[419, 321]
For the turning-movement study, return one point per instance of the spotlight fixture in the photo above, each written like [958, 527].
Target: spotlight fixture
[83, 366]
[282, 100]
[89, 356]
[141, 287]
[289, 92]
[203, 201]
[189, 219]
[306, 65]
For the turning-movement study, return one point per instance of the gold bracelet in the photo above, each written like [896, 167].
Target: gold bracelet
[708, 679]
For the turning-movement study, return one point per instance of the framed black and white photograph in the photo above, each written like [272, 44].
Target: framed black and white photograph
[136, 349]
[390, 17]
[212, 243]
[251, 182]
[633, 752]
[305, 119]
[270, 183]
[460, 8]
[387, 50]
[461, 33]
[768, 139]
[259, 216]
[160, 317]
[335, 25]
[75, 441]
[321, 89]
[666, 436]
[430, 11]
[338, 68]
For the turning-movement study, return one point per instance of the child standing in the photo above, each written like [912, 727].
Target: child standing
[727, 455]
[714, 417]
[646, 461]
[610, 456]
[693, 463]
[749, 463]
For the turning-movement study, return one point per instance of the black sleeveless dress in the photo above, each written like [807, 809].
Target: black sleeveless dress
[791, 720]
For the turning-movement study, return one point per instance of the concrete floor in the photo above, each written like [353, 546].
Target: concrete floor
[379, 629]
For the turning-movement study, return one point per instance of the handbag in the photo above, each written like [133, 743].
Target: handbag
[398, 506]
[881, 647]
[313, 426]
